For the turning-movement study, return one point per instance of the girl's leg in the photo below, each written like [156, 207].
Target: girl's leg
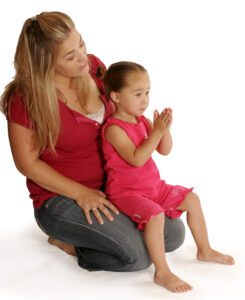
[155, 245]
[197, 224]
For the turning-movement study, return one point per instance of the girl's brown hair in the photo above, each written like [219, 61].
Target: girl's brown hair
[115, 77]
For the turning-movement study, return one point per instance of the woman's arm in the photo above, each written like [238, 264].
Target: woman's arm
[27, 161]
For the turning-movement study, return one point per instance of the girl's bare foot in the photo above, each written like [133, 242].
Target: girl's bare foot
[65, 247]
[215, 256]
[172, 282]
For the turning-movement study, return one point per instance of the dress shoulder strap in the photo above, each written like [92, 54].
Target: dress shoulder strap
[127, 127]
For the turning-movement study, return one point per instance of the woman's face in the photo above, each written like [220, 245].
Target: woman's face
[71, 57]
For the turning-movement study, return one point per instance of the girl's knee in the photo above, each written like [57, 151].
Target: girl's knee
[191, 201]
[193, 196]
[159, 218]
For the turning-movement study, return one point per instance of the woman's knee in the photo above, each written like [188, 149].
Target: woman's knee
[131, 239]
[139, 260]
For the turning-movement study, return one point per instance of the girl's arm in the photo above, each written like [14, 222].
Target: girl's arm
[165, 145]
[27, 161]
[136, 156]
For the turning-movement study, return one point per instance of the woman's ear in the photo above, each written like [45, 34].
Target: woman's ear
[114, 97]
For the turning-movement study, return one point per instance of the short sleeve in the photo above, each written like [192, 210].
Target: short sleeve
[17, 112]
[95, 63]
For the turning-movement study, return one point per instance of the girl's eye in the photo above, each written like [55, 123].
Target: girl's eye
[138, 94]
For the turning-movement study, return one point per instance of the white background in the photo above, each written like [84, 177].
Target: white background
[195, 54]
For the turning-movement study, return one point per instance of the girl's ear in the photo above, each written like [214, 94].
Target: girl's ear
[114, 97]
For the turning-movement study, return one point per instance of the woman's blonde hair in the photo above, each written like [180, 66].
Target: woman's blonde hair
[34, 64]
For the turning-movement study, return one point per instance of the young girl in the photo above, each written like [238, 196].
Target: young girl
[134, 185]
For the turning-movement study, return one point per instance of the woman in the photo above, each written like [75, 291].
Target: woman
[55, 107]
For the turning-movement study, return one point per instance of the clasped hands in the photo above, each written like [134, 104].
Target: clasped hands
[162, 121]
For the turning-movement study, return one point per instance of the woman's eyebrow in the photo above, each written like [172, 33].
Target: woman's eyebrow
[70, 52]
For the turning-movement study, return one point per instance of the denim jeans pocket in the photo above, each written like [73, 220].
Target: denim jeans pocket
[50, 203]
[41, 213]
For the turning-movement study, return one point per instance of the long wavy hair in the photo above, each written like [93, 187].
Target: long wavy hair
[34, 64]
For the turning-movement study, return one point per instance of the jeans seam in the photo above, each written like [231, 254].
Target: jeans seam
[133, 245]
[98, 232]
[91, 229]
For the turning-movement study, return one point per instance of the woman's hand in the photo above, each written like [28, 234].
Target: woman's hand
[163, 120]
[91, 200]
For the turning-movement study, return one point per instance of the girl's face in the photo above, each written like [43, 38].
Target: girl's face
[71, 57]
[133, 99]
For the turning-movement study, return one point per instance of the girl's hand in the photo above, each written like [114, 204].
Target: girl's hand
[95, 201]
[163, 120]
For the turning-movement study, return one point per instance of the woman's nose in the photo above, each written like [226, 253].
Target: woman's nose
[81, 56]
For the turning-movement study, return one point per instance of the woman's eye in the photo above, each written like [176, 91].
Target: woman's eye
[70, 58]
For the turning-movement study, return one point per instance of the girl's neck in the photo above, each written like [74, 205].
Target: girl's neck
[125, 117]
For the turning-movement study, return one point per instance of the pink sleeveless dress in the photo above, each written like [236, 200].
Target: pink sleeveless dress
[138, 192]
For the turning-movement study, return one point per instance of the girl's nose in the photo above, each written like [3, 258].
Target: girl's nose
[145, 99]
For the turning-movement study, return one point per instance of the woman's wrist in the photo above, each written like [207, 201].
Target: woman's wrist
[79, 192]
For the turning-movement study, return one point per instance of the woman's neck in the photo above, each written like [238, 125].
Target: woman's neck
[62, 82]
[69, 82]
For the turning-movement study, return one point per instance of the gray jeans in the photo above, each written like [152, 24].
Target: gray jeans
[114, 246]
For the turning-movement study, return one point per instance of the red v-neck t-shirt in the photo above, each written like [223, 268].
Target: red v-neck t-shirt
[78, 148]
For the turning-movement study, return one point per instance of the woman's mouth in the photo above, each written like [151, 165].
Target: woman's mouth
[83, 66]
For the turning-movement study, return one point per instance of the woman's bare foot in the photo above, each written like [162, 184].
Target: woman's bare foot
[172, 282]
[65, 247]
[215, 256]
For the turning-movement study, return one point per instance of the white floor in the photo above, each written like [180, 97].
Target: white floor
[33, 269]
